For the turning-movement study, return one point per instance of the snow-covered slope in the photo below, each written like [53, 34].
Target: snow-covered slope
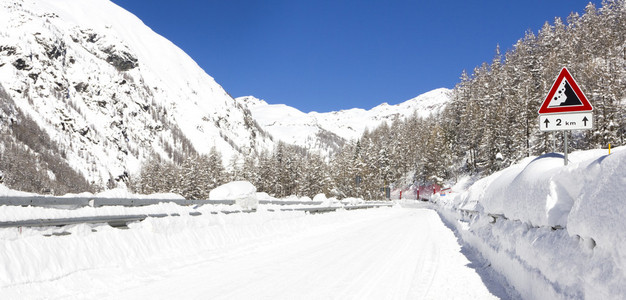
[112, 91]
[324, 131]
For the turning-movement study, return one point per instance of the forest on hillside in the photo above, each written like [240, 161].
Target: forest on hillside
[490, 123]
[31, 161]
[492, 120]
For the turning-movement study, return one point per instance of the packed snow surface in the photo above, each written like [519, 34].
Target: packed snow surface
[368, 254]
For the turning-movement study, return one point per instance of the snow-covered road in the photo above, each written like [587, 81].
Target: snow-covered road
[386, 253]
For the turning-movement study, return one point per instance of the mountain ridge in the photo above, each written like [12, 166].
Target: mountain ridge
[293, 126]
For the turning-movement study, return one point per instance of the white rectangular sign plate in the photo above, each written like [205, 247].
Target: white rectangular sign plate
[566, 121]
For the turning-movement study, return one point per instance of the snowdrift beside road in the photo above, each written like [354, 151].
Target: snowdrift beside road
[28, 256]
[243, 192]
[559, 231]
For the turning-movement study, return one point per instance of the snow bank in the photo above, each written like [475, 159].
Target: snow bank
[352, 201]
[19, 213]
[125, 194]
[598, 213]
[527, 191]
[294, 198]
[32, 263]
[265, 196]
[113, 193]
[243, 192]
[305, 199]
[540, 190]
[7, 192]
[554, 231]
[327, 202]
[28, 256]
[120, 193]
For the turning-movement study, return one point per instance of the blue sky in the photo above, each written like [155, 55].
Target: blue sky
[328, 55]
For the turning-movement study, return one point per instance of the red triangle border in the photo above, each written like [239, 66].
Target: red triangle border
[578, 108]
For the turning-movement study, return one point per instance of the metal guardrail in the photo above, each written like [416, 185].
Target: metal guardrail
[62, 202]
[114, 221]
[48, 201]
[123, 220]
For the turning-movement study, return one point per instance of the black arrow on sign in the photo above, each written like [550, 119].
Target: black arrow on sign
[547, 122]
[585, 120]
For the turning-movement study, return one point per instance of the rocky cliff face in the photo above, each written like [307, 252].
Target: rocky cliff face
[111, 92]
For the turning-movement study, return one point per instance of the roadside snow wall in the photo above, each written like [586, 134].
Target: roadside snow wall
[554, 231]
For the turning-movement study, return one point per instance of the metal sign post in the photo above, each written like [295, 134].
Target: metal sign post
[565, 147]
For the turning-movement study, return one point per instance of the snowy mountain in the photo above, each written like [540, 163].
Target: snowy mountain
[325, 132]
[111, 91]
[108, 93]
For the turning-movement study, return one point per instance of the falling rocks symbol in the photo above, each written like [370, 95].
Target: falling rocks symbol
[565, 96]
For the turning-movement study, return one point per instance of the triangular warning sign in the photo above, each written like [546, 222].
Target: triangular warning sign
[565, 96]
